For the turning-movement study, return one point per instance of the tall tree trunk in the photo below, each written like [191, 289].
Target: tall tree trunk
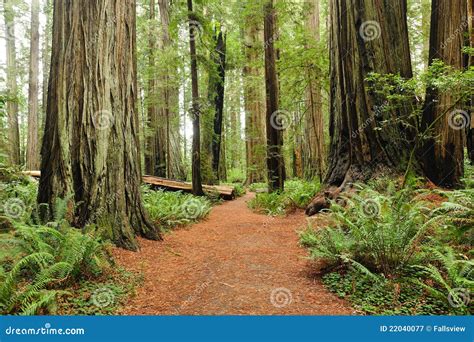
[444, 153]
[365, 36]
[255, 144]
[222, 167]
[155, 154]
[470, 128]
[91, 154]
[315, 162]
[196, 111]
[12, 96]
[32, 155]
[275, 163]
[45, 60]
[174, 160]
[219, 60]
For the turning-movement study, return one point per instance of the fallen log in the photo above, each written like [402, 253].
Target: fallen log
[225, 192]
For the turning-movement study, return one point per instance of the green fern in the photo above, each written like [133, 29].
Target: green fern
[54, 259]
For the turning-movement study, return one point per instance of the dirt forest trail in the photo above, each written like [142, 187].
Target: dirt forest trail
[235, 262]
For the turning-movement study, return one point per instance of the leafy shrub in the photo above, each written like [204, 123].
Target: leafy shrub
[297, 194]
[171, 209]
[51, 260]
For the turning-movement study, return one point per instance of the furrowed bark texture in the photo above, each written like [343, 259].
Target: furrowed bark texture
[443, 155]
[90, 151]
[275, 163]
[254, 102]
[365, 36]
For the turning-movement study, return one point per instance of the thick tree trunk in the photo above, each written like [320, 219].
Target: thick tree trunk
[275, 163]
[90, 152]
[32, 152]
[254, 102]
[196, 111]
[315, 163]
[155, 154]
[365, 36]
[12, 88]
[443, 154]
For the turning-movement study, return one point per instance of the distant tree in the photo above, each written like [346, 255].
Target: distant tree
[155, 154]
[254, 93]
[170, 97]
[12, 87]
[90, 151]
[32, 152]
[315, 162]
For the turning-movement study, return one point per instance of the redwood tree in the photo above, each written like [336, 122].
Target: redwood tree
[12, 87]
[315, 162]
[90, 151]
[196, 111]
[216, 94]
[32, 155]
[443, 155]
[470, 128]
[254, 102]
[155, 154]
[275, 164]
[365, 36]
